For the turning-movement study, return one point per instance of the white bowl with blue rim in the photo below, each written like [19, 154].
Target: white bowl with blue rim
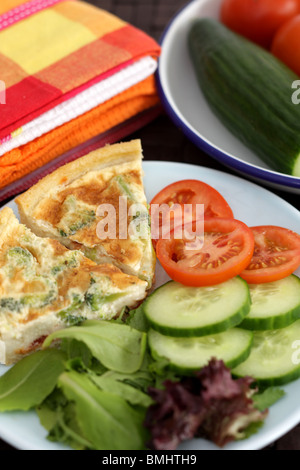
[187, 107]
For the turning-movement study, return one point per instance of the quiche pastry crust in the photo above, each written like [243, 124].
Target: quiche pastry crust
[65, 206]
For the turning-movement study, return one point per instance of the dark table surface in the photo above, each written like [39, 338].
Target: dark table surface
[163, 141]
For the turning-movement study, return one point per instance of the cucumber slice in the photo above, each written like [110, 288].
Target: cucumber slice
[274, 304]
[190, 354]
[178, 310]
[274, 357]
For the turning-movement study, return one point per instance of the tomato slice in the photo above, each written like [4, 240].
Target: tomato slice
[177, 196]
[276, 254]
[225, 248]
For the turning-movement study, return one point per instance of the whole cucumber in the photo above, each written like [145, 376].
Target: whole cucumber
[250, 91]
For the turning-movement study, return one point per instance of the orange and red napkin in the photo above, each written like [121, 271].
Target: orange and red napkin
[70, 72]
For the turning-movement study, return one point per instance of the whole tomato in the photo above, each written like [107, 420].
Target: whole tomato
[258, 20]
[286, 44]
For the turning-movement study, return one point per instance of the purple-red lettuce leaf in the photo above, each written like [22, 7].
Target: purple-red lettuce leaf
[210, 404]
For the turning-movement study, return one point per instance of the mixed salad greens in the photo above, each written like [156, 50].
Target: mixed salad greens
[97, 386]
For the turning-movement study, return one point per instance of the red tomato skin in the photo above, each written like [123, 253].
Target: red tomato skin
[271, 274]
[203, 193]
[258, 20]
[197, 192]
[286, 44]
[193, 279]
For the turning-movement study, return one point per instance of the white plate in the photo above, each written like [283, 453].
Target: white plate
[187, 107]
[250, 204]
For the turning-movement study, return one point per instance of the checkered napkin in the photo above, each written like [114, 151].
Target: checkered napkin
[71, 72]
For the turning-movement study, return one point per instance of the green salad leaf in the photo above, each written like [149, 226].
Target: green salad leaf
[106, 420]
[31, 380]
[78, 352]
[138, 320]
[264, 400]
[118, 347]
[57, 415]
[141, 380]
[129, 393]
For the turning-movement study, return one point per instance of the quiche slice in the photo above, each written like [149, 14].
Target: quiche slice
[45, 287]
[70, 205]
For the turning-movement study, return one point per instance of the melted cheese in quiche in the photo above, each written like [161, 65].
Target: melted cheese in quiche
[44, 283]
[71, 215]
